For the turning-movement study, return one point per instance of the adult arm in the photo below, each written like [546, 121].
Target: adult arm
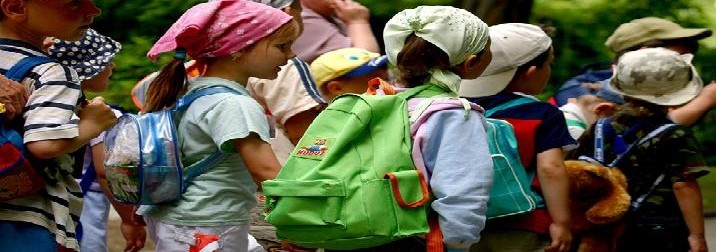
[13, 96]
[357, 20]
[132, 226]
[690, 113]
[555, 189]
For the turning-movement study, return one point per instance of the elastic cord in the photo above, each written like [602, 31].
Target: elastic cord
[180, 53]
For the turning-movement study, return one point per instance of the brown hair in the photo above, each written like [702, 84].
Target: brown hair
[641, 108]
[416, 59]
[537, 62]
[166, 87]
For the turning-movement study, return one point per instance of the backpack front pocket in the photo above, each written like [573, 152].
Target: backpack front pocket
[304, 203]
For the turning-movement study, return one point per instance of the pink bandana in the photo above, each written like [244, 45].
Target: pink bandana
[220, 28]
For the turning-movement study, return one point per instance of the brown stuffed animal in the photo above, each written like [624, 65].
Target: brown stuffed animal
[598, 199]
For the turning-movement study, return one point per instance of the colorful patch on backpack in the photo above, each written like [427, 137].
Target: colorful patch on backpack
[313, 147]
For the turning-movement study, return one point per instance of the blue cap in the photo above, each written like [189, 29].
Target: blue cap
[607, 94]
[368, 67]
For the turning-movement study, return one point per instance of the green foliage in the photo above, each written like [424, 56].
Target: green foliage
[137, 25]
[584, 25]
[708, 188]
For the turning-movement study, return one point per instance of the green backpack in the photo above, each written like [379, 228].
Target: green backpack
[351, 183]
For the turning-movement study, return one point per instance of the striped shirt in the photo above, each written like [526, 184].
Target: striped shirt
[49, 114]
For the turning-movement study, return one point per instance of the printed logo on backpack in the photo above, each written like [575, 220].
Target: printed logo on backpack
[313, 148]
[143, 162]
[18, 178]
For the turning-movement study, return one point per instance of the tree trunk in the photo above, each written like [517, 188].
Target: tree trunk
[498, 11]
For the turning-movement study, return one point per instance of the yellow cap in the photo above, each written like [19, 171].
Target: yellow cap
[348, 62]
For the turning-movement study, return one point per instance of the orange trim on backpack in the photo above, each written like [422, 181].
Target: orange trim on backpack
[376, 84]
[399, 197]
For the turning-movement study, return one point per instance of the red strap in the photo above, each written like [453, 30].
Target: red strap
[434, 239]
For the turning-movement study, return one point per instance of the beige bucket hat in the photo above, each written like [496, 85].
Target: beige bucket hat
[657, 75]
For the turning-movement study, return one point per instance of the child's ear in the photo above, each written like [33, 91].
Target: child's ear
[14, 9]
[531, 71]
[236, 55]
[334, 88]
[467, 66]
[603, 109]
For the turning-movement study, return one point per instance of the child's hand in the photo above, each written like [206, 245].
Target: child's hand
[350, 11]
[97, 111]
[13, 95]
[135, 236]
[697, 243]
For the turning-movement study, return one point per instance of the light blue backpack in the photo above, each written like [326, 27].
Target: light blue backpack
[142, 157]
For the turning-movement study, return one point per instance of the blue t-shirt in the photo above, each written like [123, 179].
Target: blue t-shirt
[224, 194]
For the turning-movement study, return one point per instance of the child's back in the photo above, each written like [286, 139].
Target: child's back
[662, 172]
[521, 68]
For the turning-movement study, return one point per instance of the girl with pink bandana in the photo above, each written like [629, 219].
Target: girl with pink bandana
[231, 40]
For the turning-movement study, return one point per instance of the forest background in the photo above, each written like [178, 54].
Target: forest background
[581, 27]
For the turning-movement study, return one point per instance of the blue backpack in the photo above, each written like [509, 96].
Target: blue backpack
[143, 161]
[511, 193]
[18, 178]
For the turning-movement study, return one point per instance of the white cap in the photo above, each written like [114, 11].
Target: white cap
[513, 45]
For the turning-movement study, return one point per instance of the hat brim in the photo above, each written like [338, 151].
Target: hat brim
[368, 67]
[486, 85]
[682, 96]
[695, 33]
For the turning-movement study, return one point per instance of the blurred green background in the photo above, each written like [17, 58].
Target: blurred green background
[581, 27]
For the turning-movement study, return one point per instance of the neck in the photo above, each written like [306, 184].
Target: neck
[226, 69]
[10, 31]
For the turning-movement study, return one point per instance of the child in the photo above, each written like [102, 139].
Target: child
[454, 147]
[231, 40]
[347, 70]
[670, 216]
[92, 59]
[521, 66]
[48, 221]
[584, 110]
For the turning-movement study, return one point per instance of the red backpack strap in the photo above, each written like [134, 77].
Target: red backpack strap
[434, 239]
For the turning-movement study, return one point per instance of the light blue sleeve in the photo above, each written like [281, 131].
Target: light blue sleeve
[232, 118]
[457, 157]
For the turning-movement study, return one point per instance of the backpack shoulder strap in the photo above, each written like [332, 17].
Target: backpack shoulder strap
[652, 134]
[186, 100]
[602, 128]
[203, 165]
[23, 67]
[509, 104]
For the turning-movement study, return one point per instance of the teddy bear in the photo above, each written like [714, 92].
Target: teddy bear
[598, 200]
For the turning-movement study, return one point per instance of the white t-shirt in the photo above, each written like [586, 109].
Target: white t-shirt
[292, 92]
